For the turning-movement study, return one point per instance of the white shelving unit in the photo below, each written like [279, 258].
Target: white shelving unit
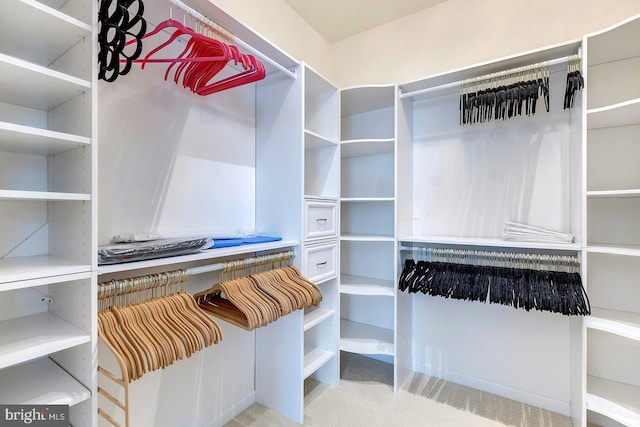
[613, 240]
[47, 186]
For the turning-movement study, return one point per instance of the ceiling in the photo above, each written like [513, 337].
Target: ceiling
[336, 20]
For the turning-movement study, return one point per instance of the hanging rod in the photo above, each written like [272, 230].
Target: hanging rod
[459, 83]
[244, 263]
[200, 17]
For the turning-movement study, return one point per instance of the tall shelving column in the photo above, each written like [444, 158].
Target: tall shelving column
[47, 187]
[368, 264]
[320, 233]
[613, 236]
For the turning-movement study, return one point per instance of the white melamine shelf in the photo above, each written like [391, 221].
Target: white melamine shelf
[613, 193]
[366, 147]
[33, 86]
[489, 242]
[45, 280]
[366, 199]
[622, 323]
[361, 338]
[315, 140]
[30, 337]
[622, 114]
[366, 238]
[358, 285]
[209, 254]
[40, 382]
[618, 401]
[603, 248]
[47, 196]
[38, 268]
[314, 359]
[362, 99]
[316, 317]
[43, 142]
[47, 36]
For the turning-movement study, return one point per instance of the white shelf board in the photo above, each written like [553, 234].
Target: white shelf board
[33, 86]
[366, 147]
[314, 359]
[40, 33]
[361, 338]
[362, 99]
[47, 196]
[603, 248]
[358, 285]
[40, 382]
[13, 271]
[621, 323]
[209, 254]
[47, 280]
[366, 238]
[618, 401]
[316, 317]
[315, 140]
[29, 140]
[320, 198]
[621, 114]
[613, 193]
[30, 337]
[366, 199]
[489, 242]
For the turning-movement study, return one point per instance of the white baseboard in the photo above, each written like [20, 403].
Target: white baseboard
[230, 413]
[533, 399]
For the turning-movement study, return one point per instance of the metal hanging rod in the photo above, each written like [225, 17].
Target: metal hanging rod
[459, 83]
[200, 17]
[243, 263]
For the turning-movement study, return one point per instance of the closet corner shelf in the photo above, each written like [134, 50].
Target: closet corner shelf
[315, 140]
[46, 196]
[28, 271]
[489, 242]
[613, 193]
[314, 359]
[621, 323]
[621, 114]
[362, 99]
[358, 285]
[366, 238]
[366, 147]
[315, 197]
[317, 316]
[361, 338]
[40, 382]
[613, 249]
[30, 337]
[28, 85]
[615, 400]
[29, 140]
[366, 199]
[208, 254]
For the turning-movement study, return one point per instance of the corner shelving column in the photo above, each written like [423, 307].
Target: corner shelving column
[613, 236]
[320, 232]
[47, 186]
[368, 261]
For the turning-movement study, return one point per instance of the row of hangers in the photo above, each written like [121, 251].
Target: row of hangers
[149, 322]
[259, 298]
[575, 81]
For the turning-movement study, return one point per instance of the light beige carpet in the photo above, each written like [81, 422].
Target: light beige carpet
[365, 398]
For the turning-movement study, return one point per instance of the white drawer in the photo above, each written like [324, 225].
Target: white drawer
[319, 219]
[320, 262]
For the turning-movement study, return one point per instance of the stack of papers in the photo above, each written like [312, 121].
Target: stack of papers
[531, 233]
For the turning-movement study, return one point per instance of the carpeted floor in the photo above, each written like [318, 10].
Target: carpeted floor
[365, 398]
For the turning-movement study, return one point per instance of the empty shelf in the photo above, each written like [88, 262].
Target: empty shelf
[366, 147]
[38, 267]
[616, 322]
[43, 196]
[358, 285]
[315, 140]
[29, 140]
[618, 401]
[614, 193]
[361, 338]
[316, 317]
[489, 242]
[314, 359]
[621, 114]
[614, 249]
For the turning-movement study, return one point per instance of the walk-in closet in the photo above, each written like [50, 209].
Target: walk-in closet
[225, 214]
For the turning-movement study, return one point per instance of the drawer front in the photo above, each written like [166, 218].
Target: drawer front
[320, 262]
[320, 220]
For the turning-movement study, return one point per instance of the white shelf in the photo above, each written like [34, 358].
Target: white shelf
[618, 401]
[489, 242]
[314, 359]
[361, 338]
[46, 280]
[43, 142]
[316, 317]
[40, 382]
[361, 99]
[602, 248]
[47, 196]
[366, 147]
[366, 199]
[20, 269]
[30, 337]
[613, 193]
[358, 285]
[621, 114]
[209, 254]
[33, 86]
[315, 140]
[365, 238]
[621, 323]
[40, 33]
